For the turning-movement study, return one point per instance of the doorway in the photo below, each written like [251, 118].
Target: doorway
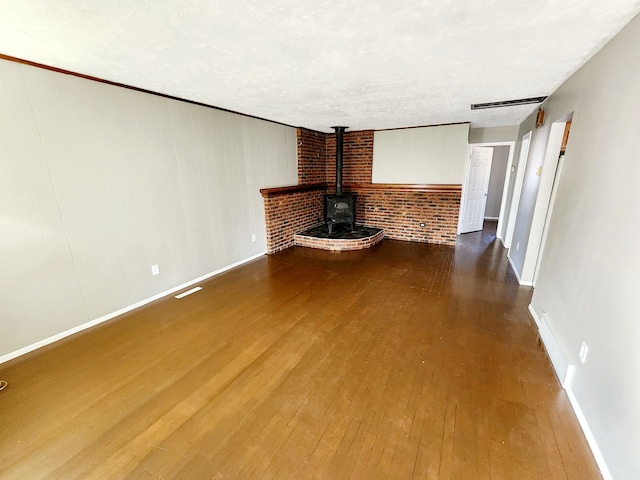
[474, 195]
[552, 199]
[486, 179]
[548, 172]
[517, 188]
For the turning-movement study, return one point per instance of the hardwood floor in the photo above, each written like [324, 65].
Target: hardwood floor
[404, 361]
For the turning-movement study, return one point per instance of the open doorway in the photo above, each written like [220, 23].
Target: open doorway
[483, 190]
[532, 221]
[517, 189]
[552, 199]
[499, 166]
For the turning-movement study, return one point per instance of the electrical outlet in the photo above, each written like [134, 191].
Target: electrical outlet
[155, 270]
[253, 237]
[584, 349]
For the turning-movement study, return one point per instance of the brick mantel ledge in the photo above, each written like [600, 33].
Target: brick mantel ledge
[408, 187]
[274, 191]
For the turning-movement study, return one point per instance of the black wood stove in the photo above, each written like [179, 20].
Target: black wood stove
[339, 207]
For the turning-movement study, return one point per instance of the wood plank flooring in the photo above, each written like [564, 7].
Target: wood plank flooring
[405, 361]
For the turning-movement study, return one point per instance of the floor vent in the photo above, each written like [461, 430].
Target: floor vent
[189, 292]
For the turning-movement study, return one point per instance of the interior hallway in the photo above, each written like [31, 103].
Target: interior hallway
[403, 361]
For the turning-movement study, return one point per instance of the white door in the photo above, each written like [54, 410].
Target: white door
[475, 192]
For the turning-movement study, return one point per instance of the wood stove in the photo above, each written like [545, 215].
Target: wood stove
[340, 207]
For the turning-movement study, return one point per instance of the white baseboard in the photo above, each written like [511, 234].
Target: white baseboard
[591, 440]
[535, 316]
[491, 218]
[515, 271]
[566, 372]
[109, 316]
[559, 359]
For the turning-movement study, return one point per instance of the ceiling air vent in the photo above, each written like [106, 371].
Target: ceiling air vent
[507, 103]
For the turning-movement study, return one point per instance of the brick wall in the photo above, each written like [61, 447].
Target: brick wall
[312, 156]
[400, 212]
[289, 213]
[357, 154]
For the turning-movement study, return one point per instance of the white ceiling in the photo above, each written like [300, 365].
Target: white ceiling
[362, 63]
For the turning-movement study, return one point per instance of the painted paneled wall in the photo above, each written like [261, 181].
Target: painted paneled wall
[507, 133]
[98, 183]
[427, 155]
[587, 285]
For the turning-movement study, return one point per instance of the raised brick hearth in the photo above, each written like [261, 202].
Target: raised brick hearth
[291, 210]
[359, 239]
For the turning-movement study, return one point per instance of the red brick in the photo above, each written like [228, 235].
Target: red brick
[398, 213]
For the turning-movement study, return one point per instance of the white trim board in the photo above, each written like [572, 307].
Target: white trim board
[523, 158]
[591, 440]
[561, 365]
[543, 196]
[109, 316]
[565, 372]
[515, 271]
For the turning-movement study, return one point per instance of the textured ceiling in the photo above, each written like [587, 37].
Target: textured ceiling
[362, 63]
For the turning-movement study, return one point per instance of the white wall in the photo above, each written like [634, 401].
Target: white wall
[587, 285]
[98, 183]
[507, 133]
[428, 155]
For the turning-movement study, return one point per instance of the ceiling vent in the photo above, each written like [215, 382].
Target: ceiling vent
[507, 103]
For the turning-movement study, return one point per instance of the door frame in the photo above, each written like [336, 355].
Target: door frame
[541, 212]
[467, 166]
[552, 201]
[517, 190]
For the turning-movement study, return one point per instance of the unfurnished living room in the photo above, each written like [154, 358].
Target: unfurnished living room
[312, 240]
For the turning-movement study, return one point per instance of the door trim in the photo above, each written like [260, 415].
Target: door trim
[517, 190]
[501, 216]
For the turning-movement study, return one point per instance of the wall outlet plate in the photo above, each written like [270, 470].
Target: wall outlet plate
[584, 349]
[155, 270]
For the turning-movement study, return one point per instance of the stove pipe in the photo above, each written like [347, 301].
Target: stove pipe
[339, 134]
